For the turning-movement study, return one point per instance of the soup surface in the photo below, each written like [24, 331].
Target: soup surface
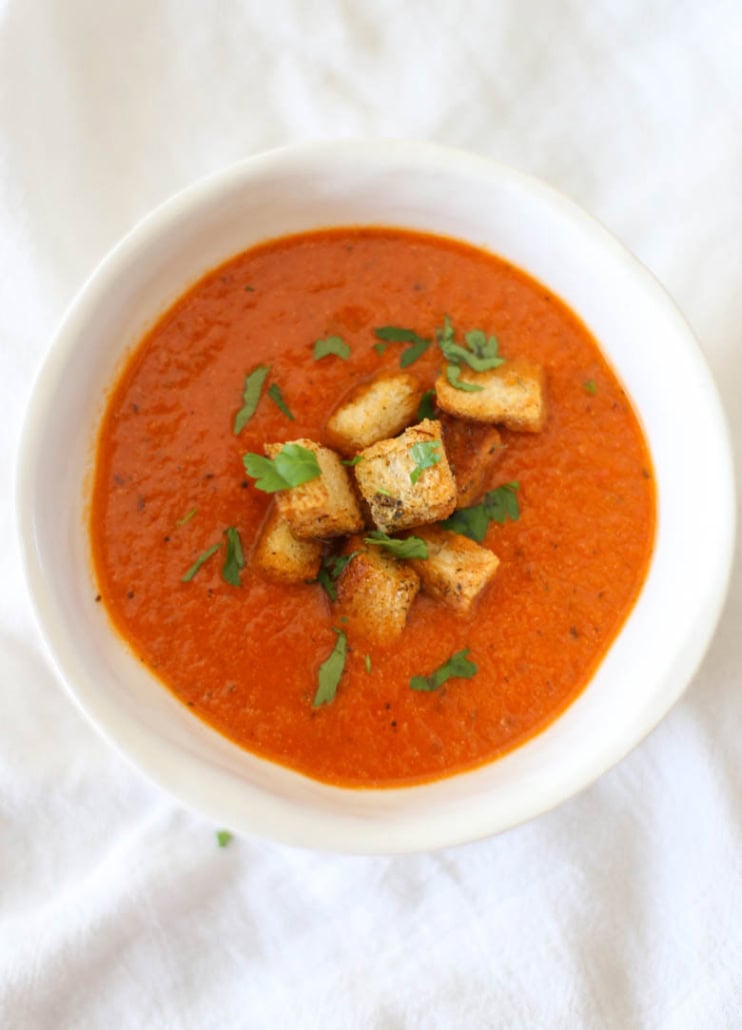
[170, 479]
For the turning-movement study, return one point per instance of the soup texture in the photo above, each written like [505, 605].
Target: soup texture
[244, 652]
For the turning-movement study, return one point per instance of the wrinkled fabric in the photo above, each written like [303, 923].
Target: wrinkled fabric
[621, 908]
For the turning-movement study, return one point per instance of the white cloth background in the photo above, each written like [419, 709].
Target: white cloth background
[623, 908]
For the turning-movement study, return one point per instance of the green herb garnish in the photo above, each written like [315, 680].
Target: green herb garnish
[480, 353]
[250, 397]
[382, 491]
[589, 387]
[367, 662]
[453, 375]
[497, 506]
[396, 334]
[187, 517]
[202, 558]
[380, 347]
[426, 408]
[223, 837]
[425, 456]
[408, 547]
[458, 666]
[330, 672]
[329, 571]
[331, 345]
[274, 392]
[352, 461]
[292, 466]
[234, 561]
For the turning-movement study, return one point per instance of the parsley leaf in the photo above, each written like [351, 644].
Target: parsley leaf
[367, 662]
[274, 392]
[480, 353]
[458, 666]
[453, 375]
[396, 334]
[589, 387]
[330, 672]
[380, 347]
[187, 517]
[426, 408]
[202, 558]
[292, 466]
[329, 571]
[223, 837]
[331, 345]
[409, 547]
[352, 461]
[234, 561]
[425, 456]
[250, 397]
[496, 506]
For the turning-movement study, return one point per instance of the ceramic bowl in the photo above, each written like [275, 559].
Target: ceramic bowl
[414, 186]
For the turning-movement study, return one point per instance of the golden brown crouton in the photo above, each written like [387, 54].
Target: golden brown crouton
[375, 592]
[456, 570]
[374, 411]
[323, 507]
[384, 477]
[473, 449]
[512, 395]
[281, 556]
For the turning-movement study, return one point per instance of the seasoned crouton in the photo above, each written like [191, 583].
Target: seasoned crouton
[512, 395]
[374, 411]
[281, 556]
[385, 479]
[473, 449]
[375, 592]
[456, 570]
[323, 507]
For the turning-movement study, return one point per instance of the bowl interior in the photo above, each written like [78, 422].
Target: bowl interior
[418, 187]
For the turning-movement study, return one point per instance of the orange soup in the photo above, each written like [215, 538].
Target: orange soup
[244, 652]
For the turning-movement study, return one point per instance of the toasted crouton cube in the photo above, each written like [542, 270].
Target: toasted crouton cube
[375, 592]
[456, 570]
[280, 555]
[512, 395]
[473, 449]
[385, 479]
[374, 411]
[323, 507]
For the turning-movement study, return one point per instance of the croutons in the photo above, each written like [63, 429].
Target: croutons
[375, 592]
[512, 395]
[385, 479]
[374, 411]
[473, 449]
[323, 507]
[281, 556]
[457, 569]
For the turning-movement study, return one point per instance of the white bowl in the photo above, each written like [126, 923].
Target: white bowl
[417, 186]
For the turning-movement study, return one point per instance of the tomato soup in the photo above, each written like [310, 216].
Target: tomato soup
[170, 479]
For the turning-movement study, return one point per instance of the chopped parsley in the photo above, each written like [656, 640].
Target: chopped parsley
[425, 455]
[330, 671]
[352, 461]
[426, 408]
[202, 559]
[589, 387]
[331, 345]
[292, 466]
[396, 334]
[330, 570]
[274, 392]
[367, 662]
[407, 547]
[497, 506]
[480, 352]
[458, 666]
[453, 375]
[223, 837]
[234, 561]
[250, 397]
[187, 517]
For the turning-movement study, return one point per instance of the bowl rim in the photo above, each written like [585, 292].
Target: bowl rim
[351, 838]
